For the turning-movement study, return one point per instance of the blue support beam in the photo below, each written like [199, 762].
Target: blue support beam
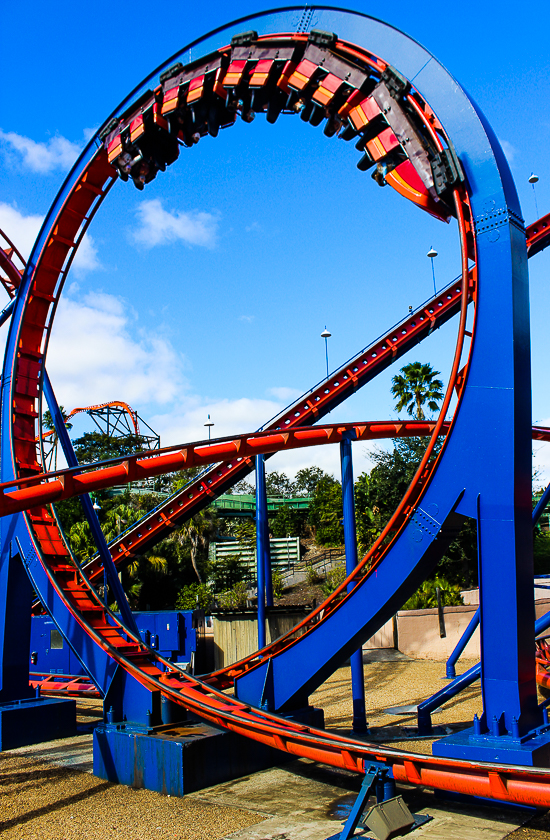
[89, 512]
[461, 644]
[261, 549]
[350, 542]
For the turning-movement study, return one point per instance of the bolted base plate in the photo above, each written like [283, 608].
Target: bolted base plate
[531, 751]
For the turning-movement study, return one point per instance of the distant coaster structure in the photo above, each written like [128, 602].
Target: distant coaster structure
[115, 419]
[421, 134]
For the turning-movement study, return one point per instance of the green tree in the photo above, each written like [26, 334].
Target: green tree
[193, 596]
[325, 512]
[242, 488]
[47, 420]
[415, 387]
[307, 480]
[378, 493]
[287, 522]
[98, 446]
[425, 597]
[278, 484]
[227, 572]
[199, 530]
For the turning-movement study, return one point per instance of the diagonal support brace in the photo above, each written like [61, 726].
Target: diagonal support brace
[367, 785]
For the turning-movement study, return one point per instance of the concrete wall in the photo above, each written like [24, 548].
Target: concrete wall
[417, 631]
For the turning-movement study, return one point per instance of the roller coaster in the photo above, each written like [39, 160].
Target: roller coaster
[115, 419]
[419, 133]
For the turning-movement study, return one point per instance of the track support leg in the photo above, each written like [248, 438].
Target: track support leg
[350, 540]
[367, 785]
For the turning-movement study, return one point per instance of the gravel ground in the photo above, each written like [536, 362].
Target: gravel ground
[42, 801]
[388, 684]
[407, 682]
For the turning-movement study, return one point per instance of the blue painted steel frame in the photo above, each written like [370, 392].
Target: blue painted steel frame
[89, 512]
[350, 542]
[485, 470]
[487, 455]
[261, 549]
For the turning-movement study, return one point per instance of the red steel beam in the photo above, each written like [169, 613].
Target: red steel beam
[73, 482]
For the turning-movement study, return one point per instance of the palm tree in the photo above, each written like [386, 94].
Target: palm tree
[198, 531]
[416, 386]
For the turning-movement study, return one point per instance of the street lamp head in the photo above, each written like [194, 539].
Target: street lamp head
[325, 333]
[209, 422]
[432, 253]
[533, 178]
[96, 506]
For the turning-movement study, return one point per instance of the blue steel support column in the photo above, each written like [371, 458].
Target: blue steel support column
[460, 645]
[89, 512]
[261, 517]
[350, 541]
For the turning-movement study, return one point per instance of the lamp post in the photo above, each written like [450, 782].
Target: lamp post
[209, 423]
[326, 335]
[431, 254]
[533, 180]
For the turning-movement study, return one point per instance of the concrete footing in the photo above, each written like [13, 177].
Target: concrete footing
[177, 759]
[37, 719]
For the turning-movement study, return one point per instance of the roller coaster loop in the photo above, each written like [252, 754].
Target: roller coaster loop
[419, 133]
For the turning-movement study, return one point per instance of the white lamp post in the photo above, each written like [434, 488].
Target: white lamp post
[533, 179]
[431, 254]
[326, 335]
[209, 423]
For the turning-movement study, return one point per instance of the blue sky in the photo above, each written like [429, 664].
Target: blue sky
[207, 293]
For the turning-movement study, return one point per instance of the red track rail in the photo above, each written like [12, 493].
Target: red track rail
[64, 484]
[538, 235]
[64, 685]
[12, 265]
[75, 590]
[111, 404]
[507, 783]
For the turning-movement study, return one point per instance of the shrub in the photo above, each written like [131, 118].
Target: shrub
[426, 596]
[334, 578]
[235, 598]
[226, 572]
[193, 596]
[277, 583]
[312, 575]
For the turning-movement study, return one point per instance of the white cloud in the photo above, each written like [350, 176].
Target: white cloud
[159, 226]
[96, 354]
[255, 227]
[184, 423]
[23, 230]
[89, 133]
[509, 150]
[56, 153]
[283, 394]
[248, 318]
[86, 258]
[185, 420]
